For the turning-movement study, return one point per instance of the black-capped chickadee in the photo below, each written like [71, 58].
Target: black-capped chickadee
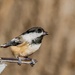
[27, 43]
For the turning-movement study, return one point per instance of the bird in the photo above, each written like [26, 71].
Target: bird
[26, 43]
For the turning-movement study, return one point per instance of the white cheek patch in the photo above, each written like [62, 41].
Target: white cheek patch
[31, 36]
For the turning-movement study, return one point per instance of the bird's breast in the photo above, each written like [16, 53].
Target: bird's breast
[33, 48]
[25, 49]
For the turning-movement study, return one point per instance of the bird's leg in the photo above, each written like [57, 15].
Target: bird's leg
[33, 62]
[19, 60]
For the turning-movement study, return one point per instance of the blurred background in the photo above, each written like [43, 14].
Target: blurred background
[57, 53]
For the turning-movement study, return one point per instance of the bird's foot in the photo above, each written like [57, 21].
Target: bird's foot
[19, 61]
[33, 62]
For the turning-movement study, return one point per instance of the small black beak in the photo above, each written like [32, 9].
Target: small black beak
[45, 33]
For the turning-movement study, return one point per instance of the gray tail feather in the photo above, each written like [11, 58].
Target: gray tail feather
[3, 46]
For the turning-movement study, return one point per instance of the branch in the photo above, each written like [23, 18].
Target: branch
[16, 60]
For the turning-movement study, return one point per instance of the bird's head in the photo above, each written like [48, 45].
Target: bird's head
[34, 34]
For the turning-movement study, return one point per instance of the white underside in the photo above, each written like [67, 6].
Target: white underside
[32, 48]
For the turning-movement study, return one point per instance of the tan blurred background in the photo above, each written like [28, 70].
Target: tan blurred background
[57, 53]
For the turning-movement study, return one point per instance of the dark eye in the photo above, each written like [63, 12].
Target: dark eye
[39, 30]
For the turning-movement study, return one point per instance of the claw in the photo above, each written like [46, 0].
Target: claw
[33, 62]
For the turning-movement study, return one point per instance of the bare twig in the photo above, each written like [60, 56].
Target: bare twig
[15, 60]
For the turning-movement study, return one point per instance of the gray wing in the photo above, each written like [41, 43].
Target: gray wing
[14, 42]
